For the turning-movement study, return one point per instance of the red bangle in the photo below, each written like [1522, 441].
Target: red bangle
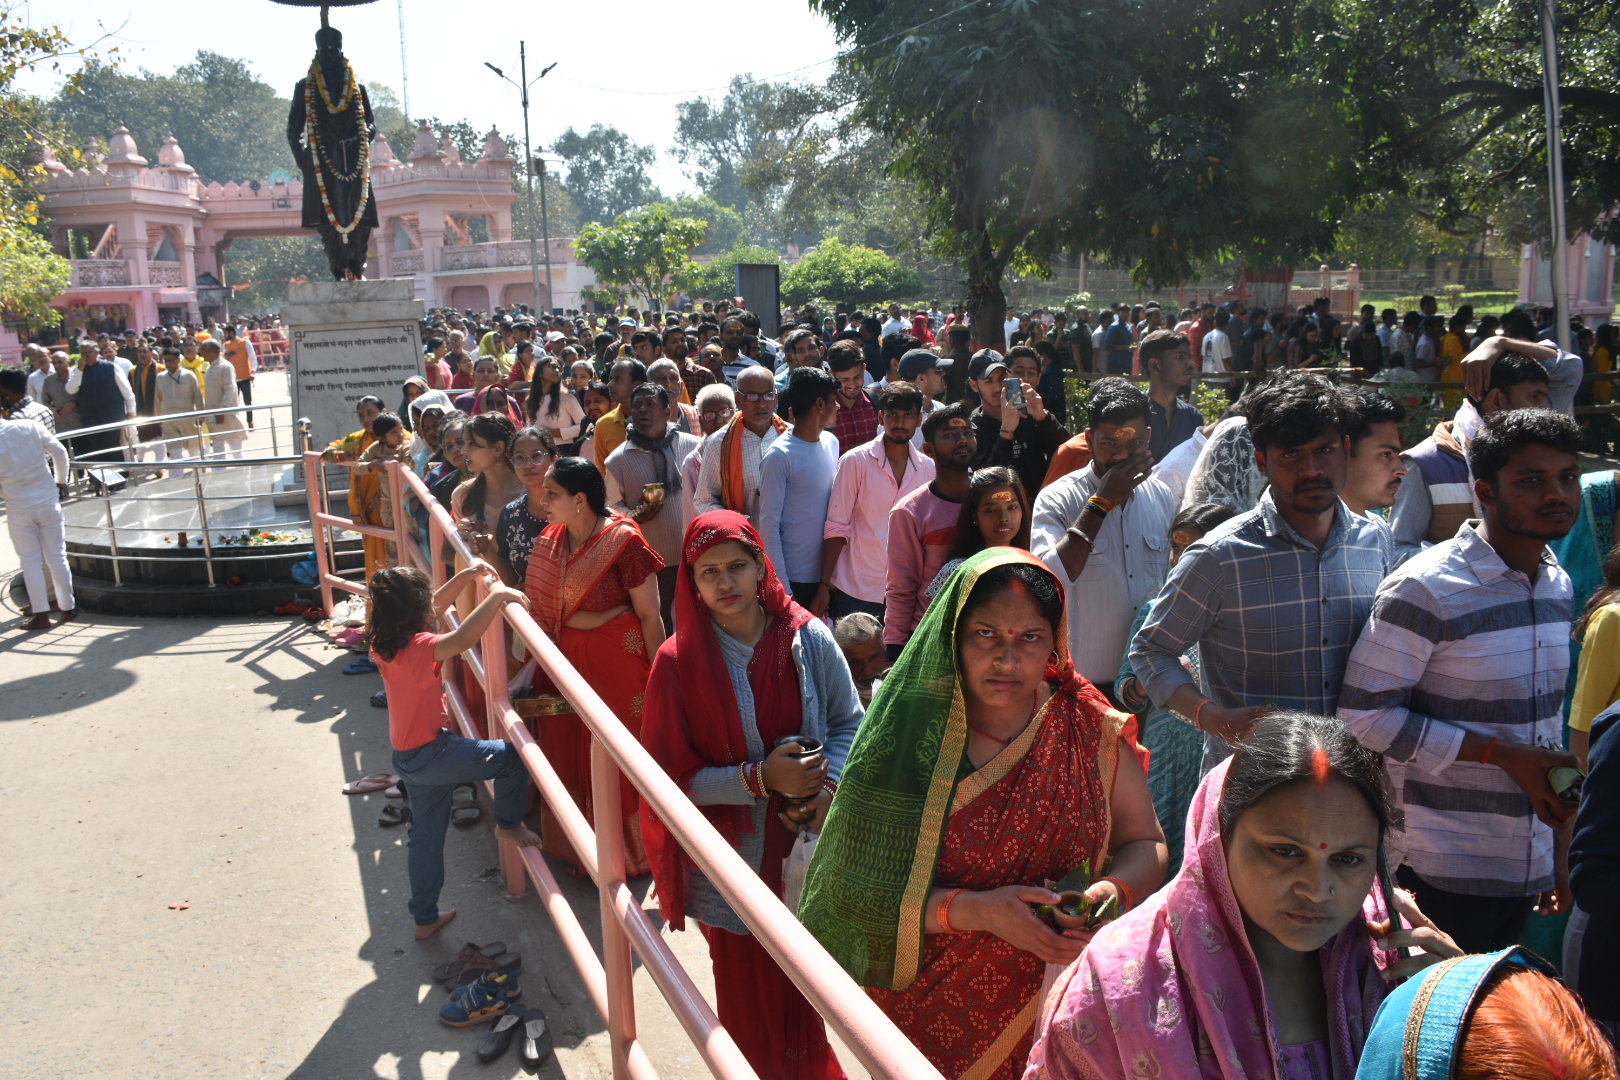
[1127, 901]
[1198, 712]
[944, 911]
[831, 785]
[1490, 750]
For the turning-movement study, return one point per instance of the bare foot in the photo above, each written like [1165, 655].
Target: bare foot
[522, 836]
[425, 932]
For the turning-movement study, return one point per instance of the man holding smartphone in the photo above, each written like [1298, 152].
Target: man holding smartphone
[1011, 423]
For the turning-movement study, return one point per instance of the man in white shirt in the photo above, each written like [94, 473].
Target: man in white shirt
[1217, 348]
[37, 361]
[895, 324]
[34, 514]
[748, 433]
[226, 430]
[1105, 531]
[1010, 327]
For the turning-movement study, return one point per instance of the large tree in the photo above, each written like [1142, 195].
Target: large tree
[231, 125]
[643, 251]
[607, 172]
[1039, 127]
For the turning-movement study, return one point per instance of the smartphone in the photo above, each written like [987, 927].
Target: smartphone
[1014, 395]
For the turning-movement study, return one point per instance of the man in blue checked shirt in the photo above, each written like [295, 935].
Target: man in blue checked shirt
[1273, 598]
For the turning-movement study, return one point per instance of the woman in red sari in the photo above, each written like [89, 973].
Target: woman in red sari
[592, 589]
[745, 672]
[985, 767]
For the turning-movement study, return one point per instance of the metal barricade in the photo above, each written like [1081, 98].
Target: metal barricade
[626, 929]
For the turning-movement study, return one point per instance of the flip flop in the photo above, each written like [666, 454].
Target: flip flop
[362, 666]
[466, 815]
[379, 700]
[398, 790]
[535, 1045]
[464, 795]
[376, 781]
[451, 970]
[493, 1045]
[478, 965]
[395, 813]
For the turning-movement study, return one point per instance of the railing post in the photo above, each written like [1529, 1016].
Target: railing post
[320, 532]
[275, 440]
[112, 533]
[202, 516]
[608, 815]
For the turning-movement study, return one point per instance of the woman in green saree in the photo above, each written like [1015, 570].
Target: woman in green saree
[985, 767]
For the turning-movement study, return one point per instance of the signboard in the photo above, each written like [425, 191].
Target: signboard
[760, 285]
[333, 367]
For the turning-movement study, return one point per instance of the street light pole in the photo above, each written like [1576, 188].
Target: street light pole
[545, 228]
[523, 85]
[1558, 248]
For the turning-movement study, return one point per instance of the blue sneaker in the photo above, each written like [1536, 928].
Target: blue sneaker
[481, 1001]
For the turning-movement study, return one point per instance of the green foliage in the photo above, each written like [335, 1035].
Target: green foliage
[30, 274]
[723, 226]
[641, 251]
[844, 274]
[230, 125]
[271, 262]
[717, 277]
[607, 173]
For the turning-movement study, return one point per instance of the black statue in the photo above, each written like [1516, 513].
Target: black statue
[330, 128]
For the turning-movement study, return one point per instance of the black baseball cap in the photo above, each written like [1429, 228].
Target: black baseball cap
[917, 361]
[983, 362]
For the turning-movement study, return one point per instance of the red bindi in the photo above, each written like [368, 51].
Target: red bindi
[1324, 847]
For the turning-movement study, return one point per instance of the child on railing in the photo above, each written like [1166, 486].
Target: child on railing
[428, 757]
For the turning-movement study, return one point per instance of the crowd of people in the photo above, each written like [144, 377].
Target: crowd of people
[1311, 720]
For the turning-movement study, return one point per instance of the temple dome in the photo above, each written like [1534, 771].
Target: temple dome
[122, 149]
[170, 156]
[495, 148]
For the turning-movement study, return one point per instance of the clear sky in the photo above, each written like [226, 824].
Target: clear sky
[614, 60]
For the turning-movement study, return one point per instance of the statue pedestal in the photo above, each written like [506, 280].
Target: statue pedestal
[350, 339]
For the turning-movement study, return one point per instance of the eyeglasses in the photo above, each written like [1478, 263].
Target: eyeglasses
[711, 414]
[539, 457]
[769, 395]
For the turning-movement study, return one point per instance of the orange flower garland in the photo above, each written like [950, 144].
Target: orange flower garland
[323, 161]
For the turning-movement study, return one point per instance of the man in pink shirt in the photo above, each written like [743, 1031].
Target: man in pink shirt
[922, 526]
[869, 480]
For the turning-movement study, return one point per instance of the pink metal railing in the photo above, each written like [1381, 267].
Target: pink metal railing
[626, 930]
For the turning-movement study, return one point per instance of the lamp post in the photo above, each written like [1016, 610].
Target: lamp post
[523, 85]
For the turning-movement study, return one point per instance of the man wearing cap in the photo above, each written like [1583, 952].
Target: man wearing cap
[1022, 438]
[858, 418]
[927, 372]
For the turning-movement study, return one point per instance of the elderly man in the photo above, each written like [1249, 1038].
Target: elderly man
[34, 514]
[179, 392]
[103, 396]
[219, 392]
[860, 639]
[730, 476]
[716, 405]
[667, 373]
[644, 481]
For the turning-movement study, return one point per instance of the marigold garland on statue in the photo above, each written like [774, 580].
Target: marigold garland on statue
[319, 78]
[323, 160]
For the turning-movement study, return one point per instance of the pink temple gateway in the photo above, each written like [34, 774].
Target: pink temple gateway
[153, 239]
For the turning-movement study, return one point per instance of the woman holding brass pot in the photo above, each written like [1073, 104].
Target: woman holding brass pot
[751, 709]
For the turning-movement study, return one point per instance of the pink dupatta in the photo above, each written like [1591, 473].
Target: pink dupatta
[1173, 989]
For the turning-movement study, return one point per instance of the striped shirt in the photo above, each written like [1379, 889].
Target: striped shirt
[1273, 616]
[1458, 642]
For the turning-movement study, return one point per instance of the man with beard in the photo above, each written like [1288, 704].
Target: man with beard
[1275, 597]
[1458, 680]
[677, 347]
[1104, 531]
[858, 419]
[644, 482]
[729, 479]
[870, 480]
[1022, 437]
[922, 525]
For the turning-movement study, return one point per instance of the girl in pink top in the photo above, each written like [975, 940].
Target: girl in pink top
[428, 758]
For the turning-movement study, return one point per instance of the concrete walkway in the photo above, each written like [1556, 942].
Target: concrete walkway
[155, 762]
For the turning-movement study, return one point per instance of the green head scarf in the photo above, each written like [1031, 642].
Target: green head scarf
[865, 897]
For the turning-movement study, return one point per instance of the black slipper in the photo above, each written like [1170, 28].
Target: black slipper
[535, 1046]
[464, 795]
[495, 1043]
[395, 813]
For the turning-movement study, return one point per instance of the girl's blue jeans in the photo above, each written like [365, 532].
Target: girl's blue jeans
[430, 773]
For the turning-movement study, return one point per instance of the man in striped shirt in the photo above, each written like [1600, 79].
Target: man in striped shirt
[1458, 680]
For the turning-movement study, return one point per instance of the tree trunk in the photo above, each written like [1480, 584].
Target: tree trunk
[986, 301]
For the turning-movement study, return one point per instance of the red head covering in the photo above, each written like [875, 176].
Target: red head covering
[921, 330]
[690, 720]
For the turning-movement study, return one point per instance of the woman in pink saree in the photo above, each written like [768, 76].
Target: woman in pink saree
[1269, 953]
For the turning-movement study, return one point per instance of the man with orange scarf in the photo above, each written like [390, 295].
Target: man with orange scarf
[729, 478]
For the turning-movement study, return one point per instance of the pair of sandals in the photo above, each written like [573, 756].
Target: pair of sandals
[464, 808]
[531, 1032]
[473, 960]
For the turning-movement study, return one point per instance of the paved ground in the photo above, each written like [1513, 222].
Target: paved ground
[152, 762]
